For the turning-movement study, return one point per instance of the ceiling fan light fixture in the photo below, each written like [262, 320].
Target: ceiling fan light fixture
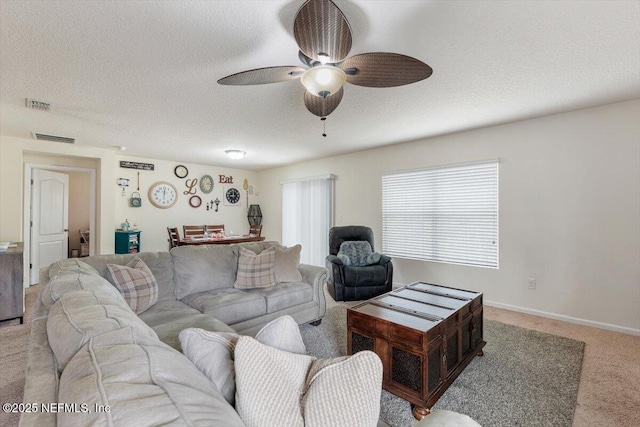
[235, 154]
[323, 80]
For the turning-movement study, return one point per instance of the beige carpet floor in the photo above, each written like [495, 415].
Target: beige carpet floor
[609, 392]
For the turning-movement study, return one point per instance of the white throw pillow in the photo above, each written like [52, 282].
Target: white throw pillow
[276, 388]
[213, 352]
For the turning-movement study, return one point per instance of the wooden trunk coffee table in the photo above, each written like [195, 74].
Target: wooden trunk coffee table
[425, 335]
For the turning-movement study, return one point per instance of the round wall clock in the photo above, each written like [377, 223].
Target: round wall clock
[195, 201]
[163, 195]
[232, 195]
[181, 171]
[206, 184]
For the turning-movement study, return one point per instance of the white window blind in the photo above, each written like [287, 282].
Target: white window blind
[307, 207]
[447, 214]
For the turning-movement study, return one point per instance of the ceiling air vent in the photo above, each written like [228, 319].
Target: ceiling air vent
[38, 105]
[54, 138]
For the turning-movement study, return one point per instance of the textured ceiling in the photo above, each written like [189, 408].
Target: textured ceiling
[142, 74]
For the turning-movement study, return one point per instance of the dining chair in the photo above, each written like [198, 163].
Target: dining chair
[174, 237]
[255, 229]
[193, 230]
[214, 228]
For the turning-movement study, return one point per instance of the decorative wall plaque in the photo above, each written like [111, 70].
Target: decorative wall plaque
[136, 165]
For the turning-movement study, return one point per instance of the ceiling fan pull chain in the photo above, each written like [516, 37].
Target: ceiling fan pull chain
[324, 126]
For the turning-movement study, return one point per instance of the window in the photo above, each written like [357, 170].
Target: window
[447, 214]
[307, 207]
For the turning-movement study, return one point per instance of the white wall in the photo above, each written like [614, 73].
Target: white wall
[569, 210]
[112, 208]
[153, 222]
[14, 151]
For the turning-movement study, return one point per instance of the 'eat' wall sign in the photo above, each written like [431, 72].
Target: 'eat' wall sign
[225, 179]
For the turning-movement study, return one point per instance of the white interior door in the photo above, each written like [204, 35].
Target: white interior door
[49, 220]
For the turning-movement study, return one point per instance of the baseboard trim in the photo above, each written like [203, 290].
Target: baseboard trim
[562, 317]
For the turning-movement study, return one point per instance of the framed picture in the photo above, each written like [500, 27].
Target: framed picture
[232, 195]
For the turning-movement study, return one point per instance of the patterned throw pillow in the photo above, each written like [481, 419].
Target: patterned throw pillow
[255, 271]
[286, 265]
[135, 282]
[354, 253]
[277, 388]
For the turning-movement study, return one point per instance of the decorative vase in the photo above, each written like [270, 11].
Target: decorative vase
[254, 215]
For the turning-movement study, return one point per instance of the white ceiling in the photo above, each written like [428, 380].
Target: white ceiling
[142, 74]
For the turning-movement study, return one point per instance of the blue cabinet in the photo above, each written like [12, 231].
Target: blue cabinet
[127, 242]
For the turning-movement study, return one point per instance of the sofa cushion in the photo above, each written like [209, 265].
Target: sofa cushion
[135, 282]
[275, 387]
[229, 305]
[167, 311]
[79, 316]
[255, 271]
[71, 281]
[160, 264]
[213, 352]
[168, 332]
[286, 264]
[201, 268]
[143, 381]
[71, 265]
[285, 295]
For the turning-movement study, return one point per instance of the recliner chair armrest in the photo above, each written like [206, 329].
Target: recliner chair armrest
[384, 259]
[334, 259]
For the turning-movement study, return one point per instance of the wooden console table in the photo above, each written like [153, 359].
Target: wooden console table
[11, 287]
[425, 336]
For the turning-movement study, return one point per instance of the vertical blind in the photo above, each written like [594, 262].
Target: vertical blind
[447, 214]
[307, 207]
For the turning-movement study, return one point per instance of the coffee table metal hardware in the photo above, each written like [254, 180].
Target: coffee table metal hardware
[438, 294]
[422, 302]
[407, 311]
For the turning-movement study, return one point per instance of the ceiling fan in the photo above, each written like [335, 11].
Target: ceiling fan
[323, 35]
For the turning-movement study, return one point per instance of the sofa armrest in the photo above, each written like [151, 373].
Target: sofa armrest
[316, 277]
[44, 277]
[42, 379]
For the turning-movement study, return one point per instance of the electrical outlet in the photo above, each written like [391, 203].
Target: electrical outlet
[531, 283]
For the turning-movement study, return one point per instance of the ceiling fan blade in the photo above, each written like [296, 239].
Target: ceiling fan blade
[381, 69]
[320, 28]
[261, 76]
[322, 107]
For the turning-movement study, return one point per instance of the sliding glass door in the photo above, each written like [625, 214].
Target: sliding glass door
[307, 216]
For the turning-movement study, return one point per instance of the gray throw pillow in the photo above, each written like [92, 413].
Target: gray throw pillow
[355, 251]
[213, 352]
[286, 265]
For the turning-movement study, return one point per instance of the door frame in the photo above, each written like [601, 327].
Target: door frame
[26, 211]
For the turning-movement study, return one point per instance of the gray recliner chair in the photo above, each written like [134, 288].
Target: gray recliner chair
[370, 277]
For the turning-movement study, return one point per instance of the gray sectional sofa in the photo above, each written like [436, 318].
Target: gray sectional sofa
[89, 350]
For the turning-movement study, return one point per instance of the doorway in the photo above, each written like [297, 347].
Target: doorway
[54, 216]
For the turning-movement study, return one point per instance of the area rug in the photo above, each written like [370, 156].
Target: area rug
[525, 378]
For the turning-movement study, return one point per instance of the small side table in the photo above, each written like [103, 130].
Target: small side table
[128, 242]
